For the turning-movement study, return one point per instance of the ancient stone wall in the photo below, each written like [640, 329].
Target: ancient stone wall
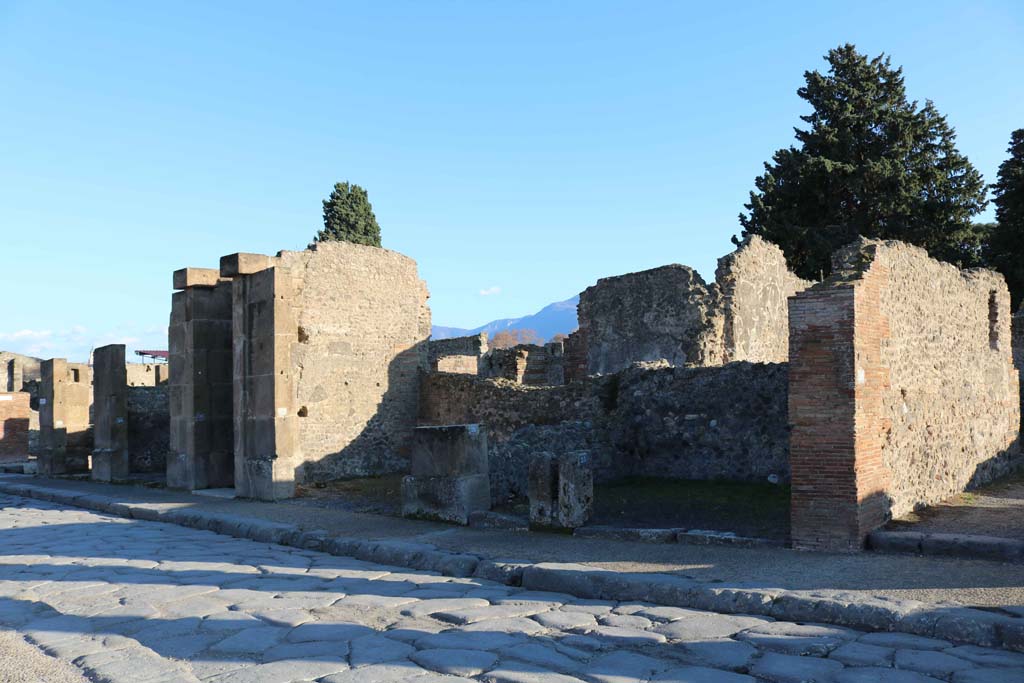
[726, 422]
[658, 314]
[670, 314]
[22, 375]
[148, 428]
[146, 374]
[754, 286]
[902, 393]
[14, 426]
[329, 344]
[530, 364]
[65, 414]
[457, 354]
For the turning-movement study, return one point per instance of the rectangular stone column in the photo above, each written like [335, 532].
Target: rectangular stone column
[836, 377]
[266, 440]
[65, 394]
[110, 461]
[200, 367]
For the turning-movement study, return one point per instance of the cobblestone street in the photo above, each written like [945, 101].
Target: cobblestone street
[140, 601]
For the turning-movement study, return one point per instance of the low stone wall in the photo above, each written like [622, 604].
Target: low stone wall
[727, 422]
[148, 428]
[530, 364]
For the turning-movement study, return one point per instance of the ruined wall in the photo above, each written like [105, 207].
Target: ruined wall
[726, 422]
[329, 344]
[146, 374]
[662, 313]
[19, 369]
[22, 374]
[457, 354]
[14, 426]
[902, 391]
[670, 314]
[148, 428]
[530, 364]
[65, 412]
[754, 286]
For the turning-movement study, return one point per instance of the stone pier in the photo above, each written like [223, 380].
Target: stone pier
[449, 477]
[200, 381]
[110, 414]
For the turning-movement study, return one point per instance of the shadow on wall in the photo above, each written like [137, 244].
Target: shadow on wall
[383, 445]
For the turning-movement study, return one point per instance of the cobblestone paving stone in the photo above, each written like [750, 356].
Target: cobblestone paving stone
[147, 602]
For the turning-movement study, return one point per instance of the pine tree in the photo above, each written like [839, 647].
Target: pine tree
[870, 163]
[348, 217]
[1006, 248]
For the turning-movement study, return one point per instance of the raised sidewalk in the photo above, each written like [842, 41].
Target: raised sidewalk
[930, 596]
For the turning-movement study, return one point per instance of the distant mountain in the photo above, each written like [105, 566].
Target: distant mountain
[554, 318]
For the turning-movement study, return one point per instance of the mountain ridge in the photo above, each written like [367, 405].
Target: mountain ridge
[555, 318]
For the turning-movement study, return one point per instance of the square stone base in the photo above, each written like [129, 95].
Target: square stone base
[109, 465]
[450, 499]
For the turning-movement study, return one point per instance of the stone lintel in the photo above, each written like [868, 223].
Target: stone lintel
[234, 265]
[196, 277]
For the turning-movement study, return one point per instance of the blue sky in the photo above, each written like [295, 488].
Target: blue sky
[518, 151]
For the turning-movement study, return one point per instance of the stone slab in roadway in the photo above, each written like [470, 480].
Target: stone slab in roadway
[933, 580]
[131, 600]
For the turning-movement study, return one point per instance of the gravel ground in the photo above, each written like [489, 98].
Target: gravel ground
[21, 662]
[135, 601]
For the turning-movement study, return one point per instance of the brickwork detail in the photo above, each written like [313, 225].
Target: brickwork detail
[902, 390]
[15, 414]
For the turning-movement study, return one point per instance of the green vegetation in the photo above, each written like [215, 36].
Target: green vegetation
[348, 217]
[869, 163]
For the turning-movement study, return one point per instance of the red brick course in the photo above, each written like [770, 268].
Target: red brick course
[14, 421]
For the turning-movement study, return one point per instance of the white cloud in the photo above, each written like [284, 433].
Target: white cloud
[490, 291]
[26, 335]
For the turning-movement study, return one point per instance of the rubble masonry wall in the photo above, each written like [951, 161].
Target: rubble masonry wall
[726, 422]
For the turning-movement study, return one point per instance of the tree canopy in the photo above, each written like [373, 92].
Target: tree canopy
[869, 163]
[1006, 245]
[348, 217]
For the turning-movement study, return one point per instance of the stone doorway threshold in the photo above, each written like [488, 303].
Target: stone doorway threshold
[974, 602]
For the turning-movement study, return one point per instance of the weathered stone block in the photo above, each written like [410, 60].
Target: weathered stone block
[450, 450]
[451, 499]
[234, 265]
[561, 490]
[195, 277]
[110, 406]
[575, 489]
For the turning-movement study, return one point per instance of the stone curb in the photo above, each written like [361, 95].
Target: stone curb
[969, 546]
[954, 623]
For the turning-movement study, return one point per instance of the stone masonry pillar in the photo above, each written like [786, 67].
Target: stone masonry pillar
[264, 329]
[200, 382]
[110, 421]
